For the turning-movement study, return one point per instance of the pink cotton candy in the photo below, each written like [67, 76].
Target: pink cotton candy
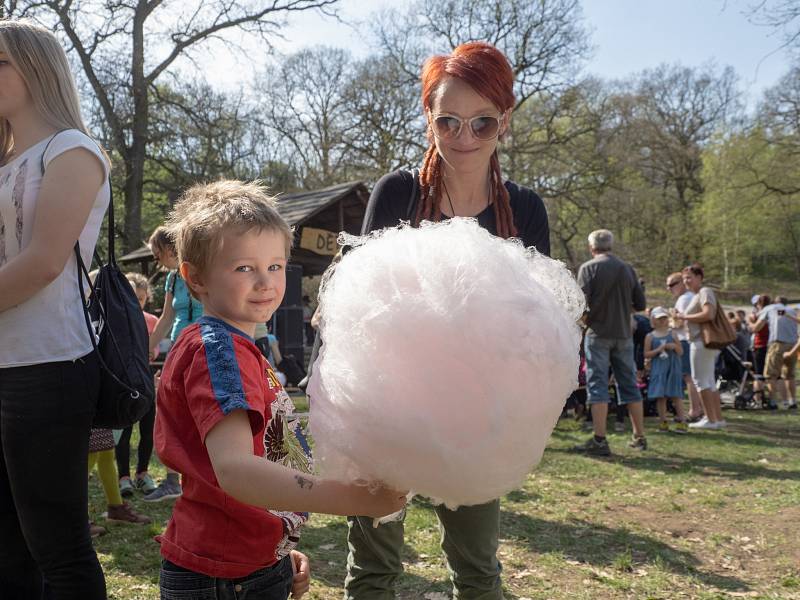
[448, 354]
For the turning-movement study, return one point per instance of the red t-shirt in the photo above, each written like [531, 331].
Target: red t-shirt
[761, 337]
[211, 370]
[150, 320]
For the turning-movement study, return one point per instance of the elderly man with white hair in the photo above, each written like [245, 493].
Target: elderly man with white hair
[613, 293]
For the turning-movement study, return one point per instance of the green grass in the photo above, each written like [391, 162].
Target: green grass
[711, 515]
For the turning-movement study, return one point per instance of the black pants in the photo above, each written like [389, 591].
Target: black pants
[46, 413]
[145, 450]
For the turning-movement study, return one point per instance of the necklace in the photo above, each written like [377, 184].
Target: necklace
[450, 200]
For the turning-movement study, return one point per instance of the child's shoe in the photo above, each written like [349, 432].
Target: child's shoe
[638, 443]
[124, 513]
[681, 427]
[144, 483]
[96, 530]
[166, 490]
[126, 487]
[663, 427]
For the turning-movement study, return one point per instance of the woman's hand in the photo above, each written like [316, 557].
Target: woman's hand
[301, 567]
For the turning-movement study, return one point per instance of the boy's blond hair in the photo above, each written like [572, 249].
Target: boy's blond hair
[139, 282]
[205, 211]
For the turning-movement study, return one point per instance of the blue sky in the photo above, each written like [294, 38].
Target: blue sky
[627, 36]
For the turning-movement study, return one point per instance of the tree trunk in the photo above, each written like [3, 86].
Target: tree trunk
[134, 166]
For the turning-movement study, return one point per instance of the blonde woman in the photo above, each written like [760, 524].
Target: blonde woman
[53, 191]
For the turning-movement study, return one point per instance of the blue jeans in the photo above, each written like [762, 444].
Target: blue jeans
[616, 353]
[272, 583]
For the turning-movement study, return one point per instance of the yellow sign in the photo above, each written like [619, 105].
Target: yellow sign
[319, 241]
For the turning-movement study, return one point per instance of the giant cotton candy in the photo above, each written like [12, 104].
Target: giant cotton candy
[448, 354]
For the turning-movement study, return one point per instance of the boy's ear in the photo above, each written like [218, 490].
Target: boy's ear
[193, 278]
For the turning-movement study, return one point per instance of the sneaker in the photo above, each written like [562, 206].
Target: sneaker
[619, 427]
[96, 531]
[124, 513]
[694, 419]
[703, 424]
[164, 491]
[638, 443]
[144, 483]
[792, 406]
[593, 447]
[681, 427]
[126, 487]
[720, 424]
[663, 427]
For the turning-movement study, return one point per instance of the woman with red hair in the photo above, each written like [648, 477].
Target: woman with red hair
[467, 97]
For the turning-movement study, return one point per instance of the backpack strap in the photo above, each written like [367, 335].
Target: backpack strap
[83, 272]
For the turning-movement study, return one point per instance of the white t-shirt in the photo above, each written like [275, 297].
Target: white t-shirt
[681, 304]
[49, 326]
[703, 297]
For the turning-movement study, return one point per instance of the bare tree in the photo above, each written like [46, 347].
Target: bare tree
[545, 40]
[675, 113]
[125, 46]
[779, 15]
[198, 134]
[302, 101]
[560, 145]
[387, 128]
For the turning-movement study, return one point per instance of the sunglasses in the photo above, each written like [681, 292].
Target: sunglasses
[672, 285]
[448, 127]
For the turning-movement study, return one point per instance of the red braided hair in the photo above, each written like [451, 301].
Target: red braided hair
[484, 68]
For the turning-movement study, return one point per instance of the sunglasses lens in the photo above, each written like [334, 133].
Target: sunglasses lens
[485, 128]
[446, 127]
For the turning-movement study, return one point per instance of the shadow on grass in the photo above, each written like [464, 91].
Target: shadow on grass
[523, 496]
[769, 433]
[598, 545]
[329, 565]
[677, 463]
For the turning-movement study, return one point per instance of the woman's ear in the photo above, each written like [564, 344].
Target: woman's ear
[193, 278]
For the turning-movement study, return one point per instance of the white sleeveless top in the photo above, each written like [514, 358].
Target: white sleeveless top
[50, 325]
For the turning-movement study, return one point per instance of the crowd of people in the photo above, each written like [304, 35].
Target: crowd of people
[223, 425]
[663, 354]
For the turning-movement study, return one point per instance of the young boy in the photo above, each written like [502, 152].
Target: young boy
[225, 423]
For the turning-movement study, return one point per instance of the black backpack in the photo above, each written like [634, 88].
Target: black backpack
[118, 331]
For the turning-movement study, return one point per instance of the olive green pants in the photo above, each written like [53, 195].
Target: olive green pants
[469, 542]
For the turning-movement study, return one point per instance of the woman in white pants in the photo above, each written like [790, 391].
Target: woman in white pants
[700, 310]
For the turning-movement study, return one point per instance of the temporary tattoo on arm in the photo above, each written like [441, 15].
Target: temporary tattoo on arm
[303, 482]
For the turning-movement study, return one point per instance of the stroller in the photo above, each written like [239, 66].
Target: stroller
[735, 377]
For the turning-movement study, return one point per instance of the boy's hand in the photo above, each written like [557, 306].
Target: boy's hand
[302, 573]
[379, 503]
